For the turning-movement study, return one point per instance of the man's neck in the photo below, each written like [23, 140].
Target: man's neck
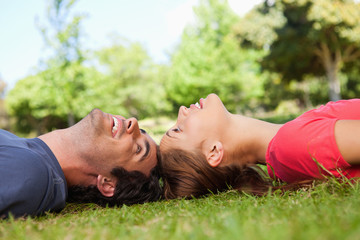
[76, 170]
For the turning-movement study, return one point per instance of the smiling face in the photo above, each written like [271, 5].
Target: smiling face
[109, 141]
[196, 125]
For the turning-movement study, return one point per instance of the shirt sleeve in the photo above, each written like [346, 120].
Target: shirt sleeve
[24, 184]
[342, 109]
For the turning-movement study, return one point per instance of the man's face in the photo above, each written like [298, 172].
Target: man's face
[112, 141]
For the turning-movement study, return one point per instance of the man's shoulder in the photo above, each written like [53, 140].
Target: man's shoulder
[8, 138]
[22, 169]
[29, 182]
[20, 158]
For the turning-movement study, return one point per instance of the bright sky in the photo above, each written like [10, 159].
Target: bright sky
[157, 24]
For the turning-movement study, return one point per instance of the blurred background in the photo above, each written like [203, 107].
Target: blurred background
[59, 59]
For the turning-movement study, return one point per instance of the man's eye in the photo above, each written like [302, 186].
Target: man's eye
[142, 131]
[138, 150]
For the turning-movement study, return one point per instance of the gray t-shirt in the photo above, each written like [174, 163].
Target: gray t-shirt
[31, 179]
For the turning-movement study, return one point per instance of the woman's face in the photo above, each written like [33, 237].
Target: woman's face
[201, 121]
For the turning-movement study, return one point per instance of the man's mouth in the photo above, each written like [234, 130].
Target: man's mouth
[115, 126]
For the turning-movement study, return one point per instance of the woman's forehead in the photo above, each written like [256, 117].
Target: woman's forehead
[165, 142]
[171, 141]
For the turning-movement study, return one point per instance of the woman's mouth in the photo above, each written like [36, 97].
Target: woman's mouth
[199, 105]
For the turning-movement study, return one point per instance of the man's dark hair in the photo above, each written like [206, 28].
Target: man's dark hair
[131, 188]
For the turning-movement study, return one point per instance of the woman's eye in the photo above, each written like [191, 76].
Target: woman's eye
[138, 150]
[177, 129]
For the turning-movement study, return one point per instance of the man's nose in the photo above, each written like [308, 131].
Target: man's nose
[132, 126]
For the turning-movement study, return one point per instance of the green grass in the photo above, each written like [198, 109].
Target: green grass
[328, 211]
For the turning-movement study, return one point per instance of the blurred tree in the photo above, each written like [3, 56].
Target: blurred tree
[122, 79]
[134, 84]
[257, 28]
[34, 102]
[23, 104]
[2, 87]
[351, 84]
[62, 36]
[209, 59]
[4, 119]
[319, 37]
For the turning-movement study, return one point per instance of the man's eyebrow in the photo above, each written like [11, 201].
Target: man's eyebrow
[147, 146]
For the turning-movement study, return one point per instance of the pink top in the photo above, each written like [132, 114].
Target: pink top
[305, 148]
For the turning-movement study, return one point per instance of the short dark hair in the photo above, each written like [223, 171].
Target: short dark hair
[132, 188]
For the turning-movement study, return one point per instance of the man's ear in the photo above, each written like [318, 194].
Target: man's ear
[106, 185]
[215, 154]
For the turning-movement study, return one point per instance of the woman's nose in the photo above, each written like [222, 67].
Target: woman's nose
[183, 111]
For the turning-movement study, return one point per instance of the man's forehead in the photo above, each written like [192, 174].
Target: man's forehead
[151, 159]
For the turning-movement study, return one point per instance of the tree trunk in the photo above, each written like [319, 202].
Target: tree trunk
[71, 119]
[304, 86]
[334, 83]
[331, 62]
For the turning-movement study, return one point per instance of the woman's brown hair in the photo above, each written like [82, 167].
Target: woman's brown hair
[188, 174]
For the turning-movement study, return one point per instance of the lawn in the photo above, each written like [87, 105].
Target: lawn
[327, 211]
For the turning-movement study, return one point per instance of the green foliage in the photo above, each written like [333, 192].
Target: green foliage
[215, 19]
[2, 87]
[351, 87]
[41, 102]
[282, 53]
[327, 211]
[134, 84]
[62, 33]
[257, 28]
[319, 38]
[130, 85]
[63, 68]
[28, 109]
[209, 59]
[127, 82]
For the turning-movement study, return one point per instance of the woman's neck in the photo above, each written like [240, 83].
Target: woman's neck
[247, 139]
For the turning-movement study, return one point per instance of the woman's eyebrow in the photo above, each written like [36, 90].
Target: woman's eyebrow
[167, 134]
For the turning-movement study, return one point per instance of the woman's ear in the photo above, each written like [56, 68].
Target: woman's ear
[215, 154]
[106, 185]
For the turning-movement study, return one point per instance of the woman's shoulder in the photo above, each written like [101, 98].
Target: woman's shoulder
[342, 109]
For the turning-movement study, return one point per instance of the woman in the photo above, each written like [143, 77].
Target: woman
[210, 149]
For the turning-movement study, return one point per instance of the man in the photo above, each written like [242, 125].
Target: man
[104, 159]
